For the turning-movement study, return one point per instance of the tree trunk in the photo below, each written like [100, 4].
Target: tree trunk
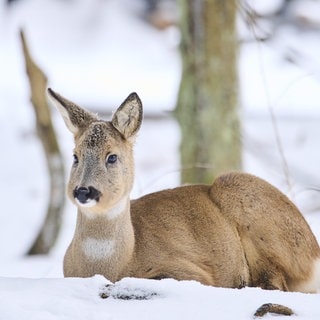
[207, 108]
[51, 226]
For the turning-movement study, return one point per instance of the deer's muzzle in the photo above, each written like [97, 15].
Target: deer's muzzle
[84, 195]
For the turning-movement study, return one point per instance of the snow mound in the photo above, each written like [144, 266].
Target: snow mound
[139, 299]
[131, 289]
[50, 299]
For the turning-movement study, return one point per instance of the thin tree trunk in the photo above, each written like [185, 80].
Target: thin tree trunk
[207, 107]
[51, 226]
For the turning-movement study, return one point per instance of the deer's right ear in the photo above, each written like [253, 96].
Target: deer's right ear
[128, 117]
[74, 116]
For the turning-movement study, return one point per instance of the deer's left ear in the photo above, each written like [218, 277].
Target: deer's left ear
[75, 117]
[128, 117]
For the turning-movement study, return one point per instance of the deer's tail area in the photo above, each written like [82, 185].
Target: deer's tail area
[281, 250]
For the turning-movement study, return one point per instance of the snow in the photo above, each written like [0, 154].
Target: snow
[95, 53]
[73, 298]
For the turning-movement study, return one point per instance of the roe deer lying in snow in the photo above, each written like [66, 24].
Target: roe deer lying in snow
[239, 231]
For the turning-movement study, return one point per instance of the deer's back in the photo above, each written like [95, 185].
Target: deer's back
[180, 233]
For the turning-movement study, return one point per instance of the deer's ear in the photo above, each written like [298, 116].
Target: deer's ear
[128, 117]
[74, 116]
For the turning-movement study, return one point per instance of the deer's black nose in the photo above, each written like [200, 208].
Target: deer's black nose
[84, 194]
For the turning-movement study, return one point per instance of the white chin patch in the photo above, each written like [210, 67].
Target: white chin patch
[90, 203]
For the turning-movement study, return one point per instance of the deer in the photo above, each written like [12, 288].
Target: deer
[239, 231]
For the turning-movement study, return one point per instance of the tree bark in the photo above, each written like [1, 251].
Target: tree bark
[51, 225]
[207, 108]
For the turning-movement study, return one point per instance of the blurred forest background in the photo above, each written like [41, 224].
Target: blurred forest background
[226, 85]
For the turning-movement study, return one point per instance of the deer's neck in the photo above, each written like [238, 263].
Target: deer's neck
[106, 240]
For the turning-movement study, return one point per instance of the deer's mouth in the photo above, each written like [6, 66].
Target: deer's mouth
[87, 204]
[86, 196]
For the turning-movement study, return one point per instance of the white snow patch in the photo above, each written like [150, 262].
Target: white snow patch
[139, 299]
[52, 299]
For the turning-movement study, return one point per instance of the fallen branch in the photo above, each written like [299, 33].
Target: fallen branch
[51, 225]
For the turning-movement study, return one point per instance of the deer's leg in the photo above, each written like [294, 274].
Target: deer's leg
[270, 278]
[181, 270]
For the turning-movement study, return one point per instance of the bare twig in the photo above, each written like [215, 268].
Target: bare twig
[51, 226]
[252, 24]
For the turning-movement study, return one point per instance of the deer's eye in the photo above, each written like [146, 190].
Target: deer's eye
[111, 158]
[75, 159]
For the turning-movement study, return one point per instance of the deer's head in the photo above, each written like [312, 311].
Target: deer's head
[102, 172]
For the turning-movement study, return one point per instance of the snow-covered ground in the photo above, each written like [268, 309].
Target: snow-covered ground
[95, 53]
[166, 299]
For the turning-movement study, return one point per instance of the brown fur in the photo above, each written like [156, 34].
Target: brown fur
[239, 231]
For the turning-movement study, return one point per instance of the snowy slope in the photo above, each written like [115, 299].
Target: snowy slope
[166, 299]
